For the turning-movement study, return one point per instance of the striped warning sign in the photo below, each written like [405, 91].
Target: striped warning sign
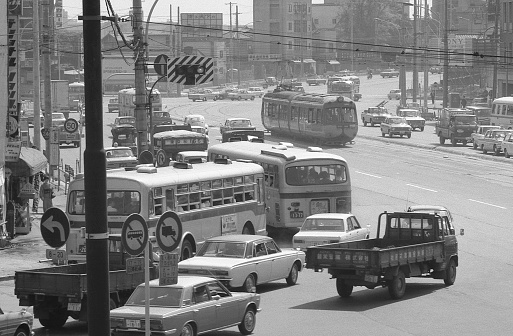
[207, 62]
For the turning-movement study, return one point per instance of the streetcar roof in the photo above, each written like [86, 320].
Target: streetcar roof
[294, 96]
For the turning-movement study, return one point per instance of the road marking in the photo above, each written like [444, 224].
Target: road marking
[415, 186]
[497, 206]
[359, 172]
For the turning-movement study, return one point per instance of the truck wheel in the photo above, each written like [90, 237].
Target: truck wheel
[506, 154]
[408, 135]
[55, 320]
[450, 273]
[343, 290]
[453, 141]
[422, 129]
[442, 139]
[293, 275]
[397, 286]
[372, 123]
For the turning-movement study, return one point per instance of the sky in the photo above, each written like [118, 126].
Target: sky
[161, 10]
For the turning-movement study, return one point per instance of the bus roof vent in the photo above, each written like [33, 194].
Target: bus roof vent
[278, 154]
[182, 165]
[245, 160]
[314, 149]
[222, 161]
[147, 170]
[287, 144]
[196, 160]
[280, 147]
[130, 168]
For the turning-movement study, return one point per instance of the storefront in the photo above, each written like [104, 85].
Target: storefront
[22, 185]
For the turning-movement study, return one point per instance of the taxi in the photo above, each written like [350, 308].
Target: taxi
[118, 157]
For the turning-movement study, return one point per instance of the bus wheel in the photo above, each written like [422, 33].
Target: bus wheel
[187, 250]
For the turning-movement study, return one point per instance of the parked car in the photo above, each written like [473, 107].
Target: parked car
[507, 145]
[237, 124]
[244, 261]
[118, 157]
[329, 228]
[256, 90]
[492, 141]
[241, 94]
[192, 306]
[394, 94]
[16, 323]
[413, 118]
[113, 105]
[395, 126]
[196, 120]
[480, 132]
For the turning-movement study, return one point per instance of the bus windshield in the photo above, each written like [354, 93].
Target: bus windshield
[315, 175]
[465, 120]
[118, 202]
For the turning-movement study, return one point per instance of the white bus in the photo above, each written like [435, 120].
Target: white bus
[298, 182]
[210, 198]
[502, 112]
[126, 101]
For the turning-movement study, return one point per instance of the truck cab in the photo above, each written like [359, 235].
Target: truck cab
[457, 125]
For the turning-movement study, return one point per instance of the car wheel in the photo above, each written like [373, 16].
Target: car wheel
[397, 286]
[390, 134]
[215, 98]
[250, 284]
[483, 149]
[204, 98]
[506, 154]
[408, 135]
[292, 278]
[422, 129]
[364, 123]
[454, 142]
[233, 99]
[343, 289]
[248, 323]
[450, 273]
[496, 151]
[21, 331]
[382, 134]
[187, 330]
[194, 100]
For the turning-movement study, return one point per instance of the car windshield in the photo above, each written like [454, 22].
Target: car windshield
[378, 111]
[126, 120]
[159, 297]
[397, 120]
[323, 224]
[117, 153]
[465, 120]
[410, 113]
[223, 249]
[240, 123]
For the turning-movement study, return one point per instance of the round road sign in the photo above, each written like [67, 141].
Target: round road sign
[160, 64]
[145, 157]
[162, 159]
[55, 227]
[134, 234]
[71, 125]
[168, 231]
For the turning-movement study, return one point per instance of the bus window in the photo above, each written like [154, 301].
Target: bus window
[170, 200]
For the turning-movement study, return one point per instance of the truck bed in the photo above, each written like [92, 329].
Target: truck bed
[69, 280]
[371, 254]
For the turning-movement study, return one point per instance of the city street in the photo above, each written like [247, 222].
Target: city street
[387, 175]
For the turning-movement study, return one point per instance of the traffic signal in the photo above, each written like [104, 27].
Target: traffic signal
[190, 71]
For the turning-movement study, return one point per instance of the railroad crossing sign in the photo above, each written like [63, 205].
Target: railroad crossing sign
[160, 64]
[173, 64]
[55, 227]
[134, 234]
[168, 231]
[71, 125]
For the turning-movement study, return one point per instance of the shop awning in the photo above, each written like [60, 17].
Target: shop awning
[30, 162]
[333, 62]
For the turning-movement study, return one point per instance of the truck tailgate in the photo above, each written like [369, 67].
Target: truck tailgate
[357, 253]
[58, 281]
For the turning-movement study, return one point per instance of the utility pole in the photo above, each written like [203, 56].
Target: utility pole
[445, 75]
[238, 43]
[495, 47]
[141, 120]
[230, 68]
[414, 57]
[37, 76]
[95, 186]
[47, 75]
[426, 75]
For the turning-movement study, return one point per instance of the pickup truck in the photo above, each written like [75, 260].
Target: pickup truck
[455, 124]
[204, 95]
[408, 244]
[480, 132]
[61, 291]
[389, 73]
[374, 115]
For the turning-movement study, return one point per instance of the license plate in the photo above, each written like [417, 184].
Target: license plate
[297, 214]
[133, 323]
[74, 306]
[81, 249]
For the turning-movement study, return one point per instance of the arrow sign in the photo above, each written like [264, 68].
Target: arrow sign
[168, 231]
[55, 227]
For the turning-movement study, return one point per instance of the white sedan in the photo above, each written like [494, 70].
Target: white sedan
[244, 261]
[329, 228]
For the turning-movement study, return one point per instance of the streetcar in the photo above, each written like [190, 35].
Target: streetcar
[322, 118]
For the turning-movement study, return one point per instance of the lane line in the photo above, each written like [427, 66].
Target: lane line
[497, 206]
[359, 172]
[416, 186]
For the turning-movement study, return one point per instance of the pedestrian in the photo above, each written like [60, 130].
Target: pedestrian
[46, 193]
[433, 97]
[463, 102]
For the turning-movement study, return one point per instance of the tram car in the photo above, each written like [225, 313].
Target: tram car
[322, 118]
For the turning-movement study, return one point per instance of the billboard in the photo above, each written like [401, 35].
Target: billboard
[201, 25]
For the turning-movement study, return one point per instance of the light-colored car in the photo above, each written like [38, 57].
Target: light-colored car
[242, 94]
[196, 120]
[113, 105]
[192, 306]
[442, 211]
[394, 94]
[203, 95]
[327, 228]
[244, 261]
[492, 141]
[413, 118]
[58, 119]
[118, 157]
[258, 91]
[192, 156]
[231, 124]
[507, 145]
[389, 73]
[16, 323]
[395, 126]
[480, 132]
[126, 120]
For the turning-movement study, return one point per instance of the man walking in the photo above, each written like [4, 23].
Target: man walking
[433, 97]
[463, 102]
[46, 193]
